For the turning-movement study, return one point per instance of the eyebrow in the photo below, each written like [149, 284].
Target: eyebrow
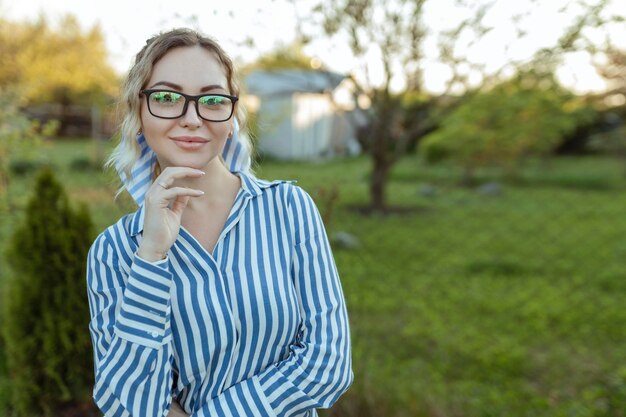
[178, 87]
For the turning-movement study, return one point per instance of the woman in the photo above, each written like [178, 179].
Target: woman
[219, 296]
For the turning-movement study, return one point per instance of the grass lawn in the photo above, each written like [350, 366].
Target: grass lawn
[509, 303]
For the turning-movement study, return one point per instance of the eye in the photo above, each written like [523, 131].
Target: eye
[165, 97]
[213, 100]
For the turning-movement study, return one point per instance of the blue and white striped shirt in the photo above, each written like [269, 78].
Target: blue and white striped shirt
[256, 328]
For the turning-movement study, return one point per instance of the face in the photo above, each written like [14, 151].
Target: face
[189, 140]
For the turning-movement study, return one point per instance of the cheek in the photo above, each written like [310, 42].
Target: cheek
[151, 126]
[221, 130]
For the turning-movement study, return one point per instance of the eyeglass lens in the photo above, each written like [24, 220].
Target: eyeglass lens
[171, 105]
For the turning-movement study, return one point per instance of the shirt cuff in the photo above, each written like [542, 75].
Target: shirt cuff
[145, 311]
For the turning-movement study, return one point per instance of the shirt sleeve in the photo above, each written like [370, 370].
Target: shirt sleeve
[130, 332]
[318, 368]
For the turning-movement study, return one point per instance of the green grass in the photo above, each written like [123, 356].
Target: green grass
[472, 305]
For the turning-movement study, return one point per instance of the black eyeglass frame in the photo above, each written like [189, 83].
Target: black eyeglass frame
[189, 98]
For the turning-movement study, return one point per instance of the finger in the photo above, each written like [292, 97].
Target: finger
[172, 193]
[170, 174]
[178, 206]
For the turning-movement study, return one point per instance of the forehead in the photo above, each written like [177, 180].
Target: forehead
[191, 67]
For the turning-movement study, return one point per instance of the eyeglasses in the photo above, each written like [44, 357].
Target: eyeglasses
[167, 104]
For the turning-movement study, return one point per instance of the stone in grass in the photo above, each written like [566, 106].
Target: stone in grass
[345, 240]
[492, 189]
[428, 190]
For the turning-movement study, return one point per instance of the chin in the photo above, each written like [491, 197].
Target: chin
[194, 162]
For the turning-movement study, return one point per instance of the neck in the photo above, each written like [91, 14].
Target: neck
[218, 185]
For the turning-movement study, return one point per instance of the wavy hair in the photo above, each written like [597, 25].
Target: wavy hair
[127, 151]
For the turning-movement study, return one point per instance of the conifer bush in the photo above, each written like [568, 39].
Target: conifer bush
[45, 310]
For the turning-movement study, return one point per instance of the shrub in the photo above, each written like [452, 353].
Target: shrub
[46, 316]
[529, 115]
[23, 167]
[84, 164]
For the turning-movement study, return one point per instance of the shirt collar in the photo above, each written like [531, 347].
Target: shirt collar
[251, 187]
[235, 154]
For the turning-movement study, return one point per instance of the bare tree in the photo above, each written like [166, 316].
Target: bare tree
[396, 31]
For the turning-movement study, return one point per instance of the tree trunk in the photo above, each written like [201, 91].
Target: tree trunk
[378, 184]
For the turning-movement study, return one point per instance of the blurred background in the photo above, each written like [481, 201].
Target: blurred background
[468, 158]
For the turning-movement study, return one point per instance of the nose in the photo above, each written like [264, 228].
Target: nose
[190, 118]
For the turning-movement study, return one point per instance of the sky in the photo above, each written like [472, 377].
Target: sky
[127, 24]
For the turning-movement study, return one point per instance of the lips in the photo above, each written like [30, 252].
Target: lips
[189, 143]
[190, 139]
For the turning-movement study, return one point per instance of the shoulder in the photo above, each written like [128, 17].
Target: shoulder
[305, 217]
[288, 191]
[300, 208]
[267, 188]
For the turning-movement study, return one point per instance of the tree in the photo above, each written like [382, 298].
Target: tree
[614, 71]
[63, 64]
[19, 138]
[609, 133]
[527, 115]
[289, 56]
[45, 317]
[395, 32]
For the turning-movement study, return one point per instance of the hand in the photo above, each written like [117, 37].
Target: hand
[164, 208]
[176, 410]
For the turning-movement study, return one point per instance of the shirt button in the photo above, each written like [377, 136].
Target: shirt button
[155, 334]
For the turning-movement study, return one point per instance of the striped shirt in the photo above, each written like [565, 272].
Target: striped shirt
[256, 328]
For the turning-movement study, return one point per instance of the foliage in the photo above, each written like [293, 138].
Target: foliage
[614, 71]
[19, 138]
[46, 317]
[523, 117]
[421, 109]
[60, 64]
[289, 56]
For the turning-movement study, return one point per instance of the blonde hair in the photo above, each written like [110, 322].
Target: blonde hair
[127, 151]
